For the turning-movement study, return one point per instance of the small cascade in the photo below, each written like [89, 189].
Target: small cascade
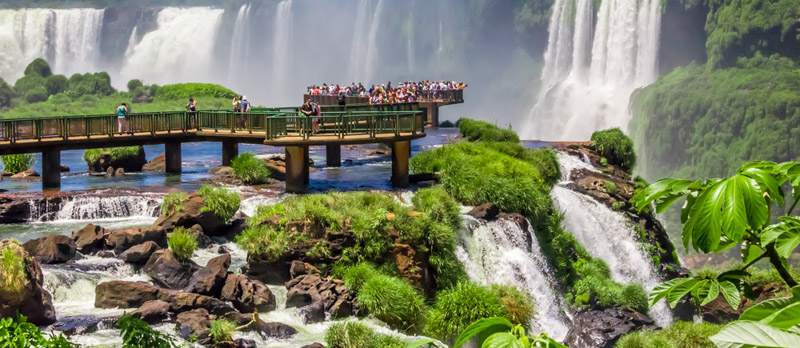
[501, 252]
[249, 205]
[86, 207]
[607, 235]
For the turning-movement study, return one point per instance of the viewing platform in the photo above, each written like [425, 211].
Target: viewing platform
[392, 124]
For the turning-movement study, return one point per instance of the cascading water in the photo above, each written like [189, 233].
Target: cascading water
[77, 40]
[179, 49]
[580, 94]
[501, 252]
[364, 53]
[607, 235]
[282, 62]
[97, 207]
[240, 48]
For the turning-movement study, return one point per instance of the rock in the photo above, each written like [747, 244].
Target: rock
[120, 172]
[320, 295]
[140, 253]
[152, 312]
[278, 330]
[194, 323]
[26, 174]
[186, 301]
[169, 272]
[314, 345]
[313, 313]
[223, 250]
[245, 343]
[106, 254]
[210, 279]
[51, 249]
[157, 164]
[412, 267]
[267, 271]
[247, 295]
[203, 241]
[486, 211]
[602, 328]
[299, 268]
[121, 240]
[241, 319]
[193, 214]
[14, 209]
[298, 298]
[82, 324]
[109, 172]
[129, 164]
[64, 168]
[124, 294]
[90, 239]
[30, 299]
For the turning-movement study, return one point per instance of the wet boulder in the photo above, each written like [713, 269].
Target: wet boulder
[193, 214]
[316, 295]
[486, 211]
[140, 253]
[51, 249]
[247, 295]
[152, 312]
[194, 323]
[314, 345]
[211, 278]
[121, 240]
[119, 172]
[157, 164]
[28, 174]
[169, 272]
[90, 239]
[124, 294]
[180, 302]
[82, 324]
[602, 328]
[278, 330]
[23, 293]
[133, 163]
[13, 209]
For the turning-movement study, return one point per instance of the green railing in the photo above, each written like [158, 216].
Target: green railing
[273, 123]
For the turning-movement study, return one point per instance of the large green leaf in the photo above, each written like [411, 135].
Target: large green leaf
[480, 326]
[662, 290]
[756, 207]
[786, 235]
[503, 340]
[766, 181]
[750, 334]
[679, 291]
[782, 313]
[708, 292]
[731, 293]
[425, 342]
[750, 252]
[734, 212]
[704, 224]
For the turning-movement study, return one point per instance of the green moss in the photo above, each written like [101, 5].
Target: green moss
[173, 202]
[460, 306]
[680, 335]
[354, 334]
[394, 302]
[249, 169]
[222, 330]
[223, 202]
[475, 130]
[611, 187]
[182, 243]
[595, 283]
[17, 163]
[616, 147]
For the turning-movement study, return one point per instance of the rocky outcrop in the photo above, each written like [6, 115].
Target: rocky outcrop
[194, 323]
[486, 211]
[157, 164]
[82, 324]
[247, 295]
[51, 249]
[28, 175]
[140, 253]
[169, 272]
[718, 311]
[13, 210]
[211, 278]
[121, 240]
[412, 266]
[123, 294]
[89, 239]
[317, 296]
[152, 312]
[180, 302]
[193, 214]
[128, 164]
[25, 294]
[595, 328]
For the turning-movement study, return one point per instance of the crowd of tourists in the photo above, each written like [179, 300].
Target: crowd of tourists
[405, 92]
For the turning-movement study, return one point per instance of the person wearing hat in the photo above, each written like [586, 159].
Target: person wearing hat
[245, 110]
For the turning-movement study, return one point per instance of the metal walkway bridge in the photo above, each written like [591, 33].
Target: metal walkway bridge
[394, 124]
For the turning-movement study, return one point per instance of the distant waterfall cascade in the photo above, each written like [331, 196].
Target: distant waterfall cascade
[607, 235]
[239, 44]
[180, 47]
[67, 38]
[587, 81]
[364, 52]
[501, 252]
[282, 63]
[96, 207]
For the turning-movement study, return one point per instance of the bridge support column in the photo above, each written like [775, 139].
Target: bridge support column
[230, 149]
[333, 155]
[172, 154]
[401, 151]
[51, 169]
[296, 168]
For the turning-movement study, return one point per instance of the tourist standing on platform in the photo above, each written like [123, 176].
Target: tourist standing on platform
[192, 110]
[122, 122]
[237, 104]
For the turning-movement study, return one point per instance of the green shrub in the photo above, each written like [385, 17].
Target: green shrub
[134, 85]
[595, 283]
[394, 302]
[182, 243]
[249, 169]
[173, 202]
[96, 84]
[38, 67]
[222, 330]
[268, 241]
[319, 251]
[224, 203]
[118, 155]
[56, 84]
[616, 147]
[680, 335]
[460, 306]
[518, 305]
[12, 270]
[17, 163]
[356, 276]
[20, 333]
[187, 90]
[611, 187]
[475, 130]
[138, 333]
[354, 334]
[28, 83]
[6, 94]
[36, 95]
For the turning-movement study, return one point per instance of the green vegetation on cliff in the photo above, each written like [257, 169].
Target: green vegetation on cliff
[354, 334]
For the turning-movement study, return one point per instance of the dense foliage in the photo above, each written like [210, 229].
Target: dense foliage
[118, 155]
[615, 147]
[186, 90]
[182, 243]
[17, 163]
[223, 202]
[249, 169]
[476, 130]
[354, 334]
[173, 202]
[137, 333]
[499, 332]
[19, 333]
[696, 123]
[681, 334]
[393, 301]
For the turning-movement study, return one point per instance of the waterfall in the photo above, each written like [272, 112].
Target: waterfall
[239, 49]
[580, 93]
[500, 252]
[86, 207]
[179, 49]
[281, 64]
[609, 236]
[67, 38]
[364, 53]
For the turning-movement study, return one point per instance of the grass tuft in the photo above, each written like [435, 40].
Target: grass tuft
[249, 169]
[394, 302]
[268, 241]
[12, 270]
[182, 243]
[17, 163]
[222, 330]
[173, 202]
[354, 334]
[457, 308]
[224, 203]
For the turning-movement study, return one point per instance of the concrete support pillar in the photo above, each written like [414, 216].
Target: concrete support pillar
[306, 169]
[296, 168]
[51, 169]
[172, 154]
[401, 151]
[230, 149]
[333, 155]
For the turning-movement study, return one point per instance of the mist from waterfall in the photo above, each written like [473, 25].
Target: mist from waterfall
[581, 92]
